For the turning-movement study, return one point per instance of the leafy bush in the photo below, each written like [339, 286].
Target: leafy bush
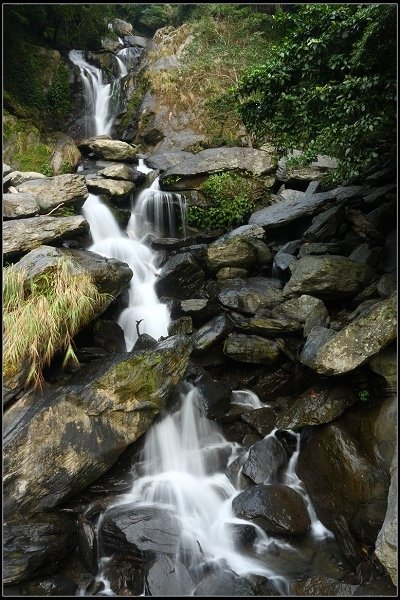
[42, 315]
[59, 94]
[232, 197]
[330, 86]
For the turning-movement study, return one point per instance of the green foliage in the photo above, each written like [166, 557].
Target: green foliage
[59, 94]
[147, 18]
[42, 315]
[29, 153]
[330, 86]
[363, 395]
[232, 200]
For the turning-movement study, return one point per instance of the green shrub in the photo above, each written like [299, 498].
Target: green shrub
[232, 198]
[59, 95]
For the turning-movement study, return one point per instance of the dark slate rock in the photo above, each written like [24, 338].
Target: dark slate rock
[316, 406]
[378, 193]
[108, 335]
[170, 243]
[276, 508]
[166, 160]
[141, 531]
[55, 585]
[87, 540]
[36, 547]
[266, 326]
[366, 255]
[387, 285]
[145, 342]
[126, 576]
[251, 349]
[247, 231]
[390, 258]
[325, 225]
[264, 459]
[200, 309]
[234, 473]
[168, 578]
[215, 396]
[243, 535]
[247, 296]
[381, 218]
[212, 332]
[281, 265]
[383, 175]
[224, 583]
[316, 339]
[262, 419]
[182, 325]
[319, 248]
[320, 585]
[290, 247]
[180, 277]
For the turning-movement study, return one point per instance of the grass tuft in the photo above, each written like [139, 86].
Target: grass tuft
[42, 315]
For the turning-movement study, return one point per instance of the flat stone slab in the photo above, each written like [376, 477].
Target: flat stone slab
[60, 189]
[17, 206]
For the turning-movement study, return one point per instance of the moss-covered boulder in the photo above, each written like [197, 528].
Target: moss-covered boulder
[251, 349]
[236, 252]
[58, 442]
[356, 343]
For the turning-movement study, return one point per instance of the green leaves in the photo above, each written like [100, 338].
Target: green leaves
[330, 85]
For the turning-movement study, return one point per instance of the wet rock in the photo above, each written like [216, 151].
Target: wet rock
[276, 508]
[265, 326]
[112, 187]
[110, 44]
[356, 343]
[386, 543]
[182, 325]
[83, 426]
[246, 231]
[162, 161]
[316, 406]
[145, 342]
[231, 273]
[262, 419]
[322, 586]
[108, 335]
[236, 252]
[180, 277]
[235, 432]
[200, 309]
[87, 541]
[167, 578]
[282, 262]
[325, 225]
[251, 349]
[109, 149]
[327, 277]
[61, 189]
[318, 248]
[126, 576]
[212, 332]
[390, 257]
[243, 535]
[18, 206]
[290, 247]
[264, 459]
[234, 473]
[192, 170]
[387, 285]
[214, 397]
[366, 255]
[306, 309]
[23, 235]
[142, 532]
[249, 295]
[56, 585]
[224, 583]
[171, 243]
[342, 482]
[37, 546]
[250, 439]
[378, 194]
[135, 40]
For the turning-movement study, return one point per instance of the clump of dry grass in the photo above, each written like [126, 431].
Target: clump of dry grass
[42, 315]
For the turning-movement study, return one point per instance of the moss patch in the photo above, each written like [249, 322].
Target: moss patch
[23, 147]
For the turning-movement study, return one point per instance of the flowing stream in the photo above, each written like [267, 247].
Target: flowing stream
[182, 469]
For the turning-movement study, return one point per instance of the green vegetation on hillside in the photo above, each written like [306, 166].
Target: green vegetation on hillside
[330, 86]
[41, 316]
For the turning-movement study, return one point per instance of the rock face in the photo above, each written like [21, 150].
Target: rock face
[276, 508]
[190, 173]
[236, 252]
[111, 187]
[327, 277]
[316, 406]
[36, 547]
[23, 235]
[386, 543]
[166, 578]
[52, 191]
[17, 206]
[359, 341]
[249, 295]
[109, 149]
[342, 482]
[251, 349]
[81, 428]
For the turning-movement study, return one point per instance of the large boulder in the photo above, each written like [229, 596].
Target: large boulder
[224, 583]
[318, 405]
[236, 252]
[112, 187]
[342, 482]
[79, 429]
[251, 349]
[309, 311]
[265, 457]
[168, 578]
[386, 543]
[37, 546]
[109, 149]
[355, 344]
[191, 172]
[118, 171]
[247, 296]
[17, 177]
[276, 508]
[23, 235]
[18, 206]
[52, 191]
[180, 277]
[122, 27]
[265, 326]
[327, 277]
